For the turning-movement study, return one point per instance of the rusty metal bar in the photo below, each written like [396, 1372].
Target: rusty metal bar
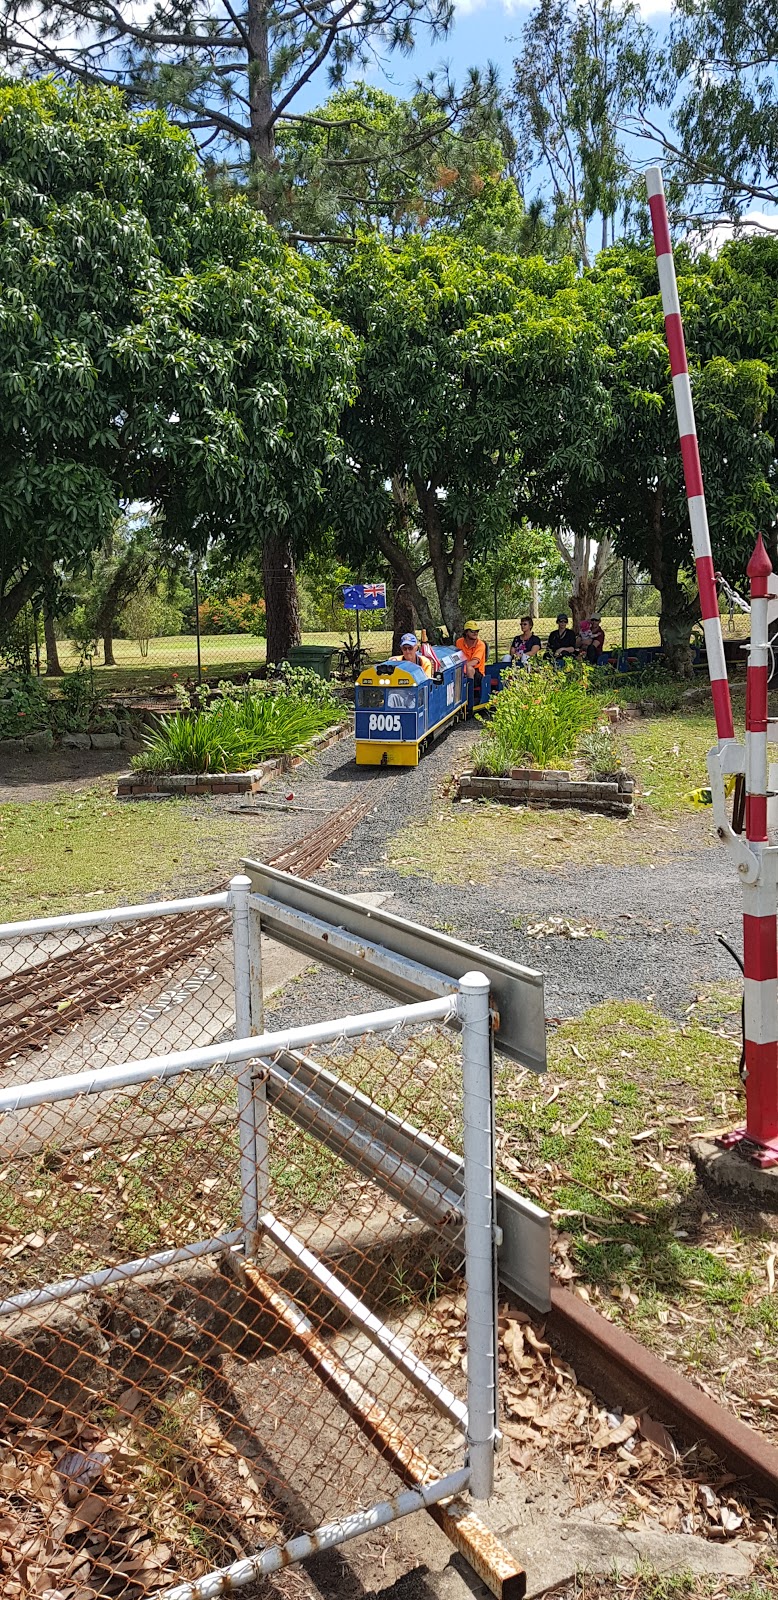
[493, 1563]
[397, 1349]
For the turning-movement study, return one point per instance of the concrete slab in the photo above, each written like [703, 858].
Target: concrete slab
[727, 1171]
[553, 1554]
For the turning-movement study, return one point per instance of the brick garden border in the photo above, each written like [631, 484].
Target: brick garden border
[527, 786]
[139, 785]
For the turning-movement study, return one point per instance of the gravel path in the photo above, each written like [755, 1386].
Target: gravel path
[660, 921]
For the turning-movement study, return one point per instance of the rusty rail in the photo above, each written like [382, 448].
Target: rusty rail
[52, 995]
[494, 1564]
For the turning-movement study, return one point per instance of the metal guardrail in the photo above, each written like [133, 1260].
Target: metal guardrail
[400, 958]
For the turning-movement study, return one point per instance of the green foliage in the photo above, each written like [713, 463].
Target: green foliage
[236, 613]
[538, 719]
[231, 78]
[24, 705]
[154, 345]
[468, 362]
[250, 725]
[724, 52]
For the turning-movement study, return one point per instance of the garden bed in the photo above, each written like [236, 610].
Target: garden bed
[529, 786]
[139, 785]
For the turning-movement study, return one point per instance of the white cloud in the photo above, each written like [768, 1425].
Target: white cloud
[711, 239]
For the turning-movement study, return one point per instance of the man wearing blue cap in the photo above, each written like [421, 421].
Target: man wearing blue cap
[409, 652]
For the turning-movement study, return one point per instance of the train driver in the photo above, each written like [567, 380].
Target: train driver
[411, 654]
[473, 650]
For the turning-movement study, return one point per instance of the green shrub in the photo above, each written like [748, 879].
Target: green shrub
[599, 750]
[234, 733]
[24, 705]
[539, 716]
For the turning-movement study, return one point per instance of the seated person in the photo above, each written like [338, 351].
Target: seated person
[592, 640]
[411, 655]
[525, 644]
[561, 643]
[428, 653]
[473, 650]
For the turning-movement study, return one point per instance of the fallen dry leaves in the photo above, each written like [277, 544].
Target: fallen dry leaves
[87, 1511]
[629, 1460]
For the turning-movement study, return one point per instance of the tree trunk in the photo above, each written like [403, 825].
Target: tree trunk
[402, 614]
[678, 612]
[281, 603]
[447, 566]
[108, 655]
[676, 619]
[53, 668]
[262, 144]
[586, 580]
[15, 599]
[403, 573]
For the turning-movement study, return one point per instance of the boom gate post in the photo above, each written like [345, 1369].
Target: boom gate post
[755, 858]
[759, 1137]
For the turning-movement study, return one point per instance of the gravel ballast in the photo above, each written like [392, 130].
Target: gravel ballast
[660, 921]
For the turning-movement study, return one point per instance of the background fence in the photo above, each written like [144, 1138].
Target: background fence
[210, 1319]
[225, 646]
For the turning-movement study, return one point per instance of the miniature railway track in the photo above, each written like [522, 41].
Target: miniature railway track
[52, 993]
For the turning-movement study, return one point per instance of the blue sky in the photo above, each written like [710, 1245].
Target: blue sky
[483, 31]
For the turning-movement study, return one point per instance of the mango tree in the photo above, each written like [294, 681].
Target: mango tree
[155, 346]
[463, 358]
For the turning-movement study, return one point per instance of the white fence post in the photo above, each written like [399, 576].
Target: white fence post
[480, 1230]
[259, 1077]
[240, 888]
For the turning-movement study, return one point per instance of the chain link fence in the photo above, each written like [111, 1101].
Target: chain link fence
[220, 1288]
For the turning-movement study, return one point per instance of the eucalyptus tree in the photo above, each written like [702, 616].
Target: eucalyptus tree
[724, 58]
[583, 67]
[154, 347]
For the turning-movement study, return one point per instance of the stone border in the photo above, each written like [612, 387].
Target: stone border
[533, 787]
[139, 785]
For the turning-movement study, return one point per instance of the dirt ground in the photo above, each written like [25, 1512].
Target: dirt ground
[659, 910]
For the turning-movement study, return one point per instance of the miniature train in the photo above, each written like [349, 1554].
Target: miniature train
[399, 710]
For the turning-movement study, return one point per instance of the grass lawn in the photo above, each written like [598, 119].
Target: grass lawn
[475, 841]
[91, 849]
[235, 652]
[602, 1142]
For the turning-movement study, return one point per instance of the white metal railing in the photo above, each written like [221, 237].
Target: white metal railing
[469, 1007]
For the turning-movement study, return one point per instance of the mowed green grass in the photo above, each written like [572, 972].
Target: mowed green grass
[239, 652]
[91, 849]
[476, 841]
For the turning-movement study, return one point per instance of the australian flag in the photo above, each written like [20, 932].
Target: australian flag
[364, 596]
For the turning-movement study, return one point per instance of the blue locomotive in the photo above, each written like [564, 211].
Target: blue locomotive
[399, 710]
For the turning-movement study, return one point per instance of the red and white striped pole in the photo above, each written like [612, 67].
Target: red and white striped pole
[695, 494]
[760, 923]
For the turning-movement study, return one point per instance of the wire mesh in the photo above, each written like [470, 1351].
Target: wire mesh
[122, 991]
[158, 1424]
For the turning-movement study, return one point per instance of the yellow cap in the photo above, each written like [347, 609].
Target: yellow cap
[472, 627]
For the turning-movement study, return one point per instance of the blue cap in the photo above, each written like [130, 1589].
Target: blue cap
[408, 638]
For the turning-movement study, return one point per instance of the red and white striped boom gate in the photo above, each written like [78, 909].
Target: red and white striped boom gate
[756, 859]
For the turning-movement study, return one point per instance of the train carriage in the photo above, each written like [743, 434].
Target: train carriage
[399, 710]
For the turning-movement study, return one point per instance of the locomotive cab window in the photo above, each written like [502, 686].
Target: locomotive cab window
[370, 699]
[402, 699]
[458, 683]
